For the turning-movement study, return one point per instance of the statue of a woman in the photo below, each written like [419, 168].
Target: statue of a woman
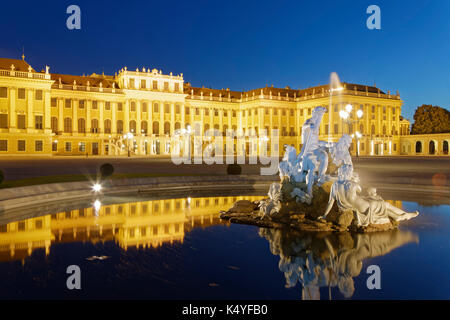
[371, 209]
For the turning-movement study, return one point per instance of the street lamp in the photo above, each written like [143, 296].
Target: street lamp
[129, 136]
[358, 136]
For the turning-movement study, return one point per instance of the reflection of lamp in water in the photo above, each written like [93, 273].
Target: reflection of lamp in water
[97, 206]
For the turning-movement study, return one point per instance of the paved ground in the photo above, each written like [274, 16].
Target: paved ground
[405, 170]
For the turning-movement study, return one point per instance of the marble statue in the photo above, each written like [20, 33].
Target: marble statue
[313, 156]
[339, 151]
[370, 209]
[270, 207]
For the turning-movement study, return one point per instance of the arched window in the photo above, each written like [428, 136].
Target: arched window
[133, 126]
[54, 122]
[445, 147]
[393, 130]
[166, 127]
[155, 127]
[384, 130]
[68, 125]
[177, 126]
[361, 128]
[372, 131]
[107, 126]
[155, 107]
[431, 147]
[144, 127]
[94, 126]
[119, 126]
[206, 127]
[418, 147]
[81, 125]
[133, 106]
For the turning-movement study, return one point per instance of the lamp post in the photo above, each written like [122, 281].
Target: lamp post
[129, 136]
[346, 116]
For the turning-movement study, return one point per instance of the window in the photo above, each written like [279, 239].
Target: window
[54, 102]
[119, 126]
[133, 106]
[206, 112]
[68, 125]
[234, 113]
[275, 112]
[68, 103]
[3, 120]
[336, 128]
[68, 147]
[3, 145]
[54, 124]
[133, 126]
[21, 226]
[327, 129]
[144, 106]
[155, 108]
[21, 121]
[119, 106]
[143, 84]
[107, 126]
[3, 92]
[187, 110]
[166, 108]
[21, 145]
[94, 104]
[292, 112]
[81, 104]
[177, 87]
[144, 127]
[81, 125]
[177, 109]
[38, 95]
[155, 127]
[94, 126]
[82, 147]
[107, 105]
[38, 145]
[38, 122]
[155, 85]
[284, 112]
[21, 93]
[166, 86]
[132, 83]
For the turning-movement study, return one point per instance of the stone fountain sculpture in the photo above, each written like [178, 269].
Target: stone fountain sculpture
[310, 196]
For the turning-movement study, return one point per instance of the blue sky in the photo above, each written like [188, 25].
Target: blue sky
[243, 45]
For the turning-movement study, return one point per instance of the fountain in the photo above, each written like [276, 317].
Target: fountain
[315, 196]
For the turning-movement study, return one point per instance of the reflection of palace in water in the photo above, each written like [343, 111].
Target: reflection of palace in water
[136, 224]
[318, 260]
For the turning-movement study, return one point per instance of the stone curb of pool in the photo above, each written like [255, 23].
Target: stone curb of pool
[13, 198]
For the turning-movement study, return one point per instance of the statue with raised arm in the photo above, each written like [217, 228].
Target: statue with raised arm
[371, 209]
[313, 156]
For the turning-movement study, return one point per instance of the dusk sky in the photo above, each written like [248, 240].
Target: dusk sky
[244, 45]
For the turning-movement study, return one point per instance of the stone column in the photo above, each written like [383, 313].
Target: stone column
[47, 112]
[75, 116]
[30, 113]
[138, 117]
[113, 117]
[126, 116]
[172, 118]
[88, 115]
[161, 122]
[61, 115]
[101, 117]
[12, 109]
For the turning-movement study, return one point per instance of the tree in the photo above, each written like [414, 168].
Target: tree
[431, 119]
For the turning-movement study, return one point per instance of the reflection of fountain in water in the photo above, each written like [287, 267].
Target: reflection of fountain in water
[329, 260]
[335, 87]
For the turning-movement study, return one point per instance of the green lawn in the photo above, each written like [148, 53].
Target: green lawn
[81, 177]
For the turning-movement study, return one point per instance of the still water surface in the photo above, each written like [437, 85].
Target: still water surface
[178, 248]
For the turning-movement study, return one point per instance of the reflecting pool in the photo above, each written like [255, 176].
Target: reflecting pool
[147, 248]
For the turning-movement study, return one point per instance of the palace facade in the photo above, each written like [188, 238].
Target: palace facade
[137, 113]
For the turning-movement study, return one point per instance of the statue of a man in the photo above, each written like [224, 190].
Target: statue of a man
[371, 209]
[313, 155]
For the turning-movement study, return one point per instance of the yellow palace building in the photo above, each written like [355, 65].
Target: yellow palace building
[137, 113]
